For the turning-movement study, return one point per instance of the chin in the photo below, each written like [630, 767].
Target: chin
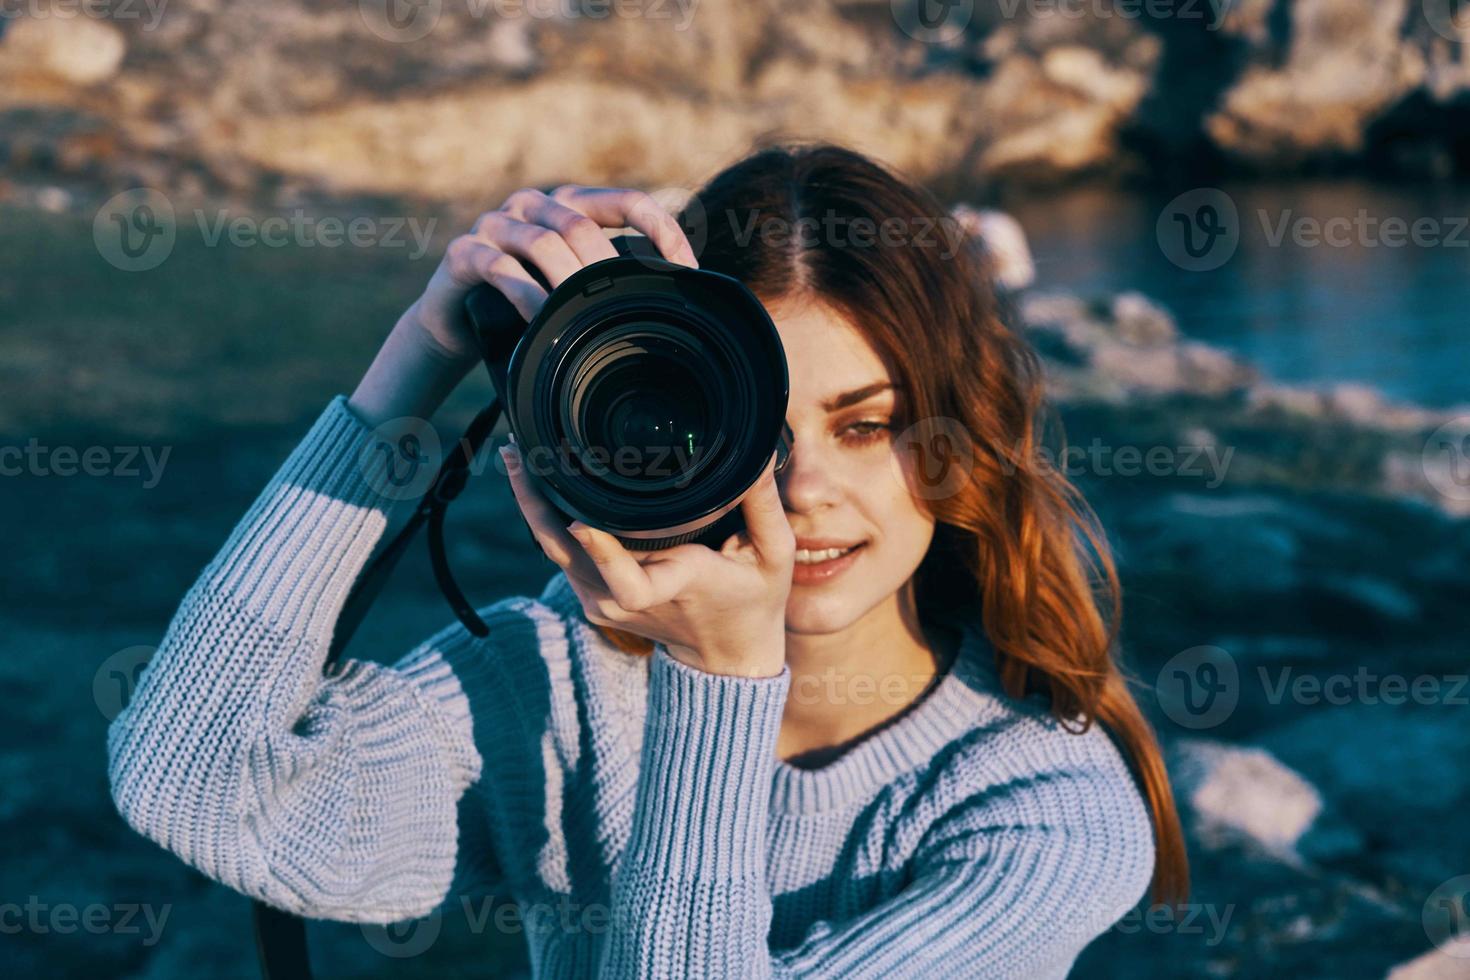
[817, 611]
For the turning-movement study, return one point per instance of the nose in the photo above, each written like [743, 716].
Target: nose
[808, 481]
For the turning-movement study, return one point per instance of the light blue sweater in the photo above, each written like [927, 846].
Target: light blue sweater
[974, 837]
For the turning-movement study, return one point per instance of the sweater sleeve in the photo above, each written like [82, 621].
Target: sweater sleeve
[1012, 882]
[689, 894]
[326, 796]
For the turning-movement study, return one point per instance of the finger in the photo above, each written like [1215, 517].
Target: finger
[542, 519]
[597, 603]
[592, 592]
[537, 246]
[600, 607]
[765, 519]
[619, 207]
[471, 261]
[583, 235]
[627, 580]
[675, 569]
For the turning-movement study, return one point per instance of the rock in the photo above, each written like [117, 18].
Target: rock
[1297, 400]
[1244, 794]
[1139, 320]
[1435, 477]
[1026, 98]
[608, 131]
[510, 46]
[53, 199]
[1054, 309]
[77, 50]
[1245, 545]
[1345, 66]
[1003, 239]
[1450, 962]
[1248, 19]
[1125, 347]
[1042, 129]
[1085, 71]
[1150, 370]
[1356, 402]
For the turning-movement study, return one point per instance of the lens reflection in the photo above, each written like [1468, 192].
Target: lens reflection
[647, 410]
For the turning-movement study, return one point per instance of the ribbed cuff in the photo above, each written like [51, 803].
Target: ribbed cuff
[301, 545]
[709, 752]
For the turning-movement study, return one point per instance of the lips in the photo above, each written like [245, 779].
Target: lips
[817, 572]
[819, 544]
[814, 555]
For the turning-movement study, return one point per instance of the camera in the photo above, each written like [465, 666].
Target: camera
[645, 397]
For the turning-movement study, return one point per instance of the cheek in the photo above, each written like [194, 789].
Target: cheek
[902, 521]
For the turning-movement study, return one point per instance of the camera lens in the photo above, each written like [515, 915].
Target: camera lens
[639, 400]
[648, 398]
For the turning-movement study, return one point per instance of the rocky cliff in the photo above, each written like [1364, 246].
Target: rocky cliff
[462, 99]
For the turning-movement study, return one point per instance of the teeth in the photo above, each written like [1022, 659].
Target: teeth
[805, 557]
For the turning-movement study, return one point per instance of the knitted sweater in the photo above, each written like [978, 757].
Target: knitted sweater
[635, 803]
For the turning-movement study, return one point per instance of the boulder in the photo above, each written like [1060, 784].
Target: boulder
[1244, 795]
[77, 50]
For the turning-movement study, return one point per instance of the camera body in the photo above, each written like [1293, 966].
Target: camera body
[645, 397]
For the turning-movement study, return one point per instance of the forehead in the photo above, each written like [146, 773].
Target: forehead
[825, 354]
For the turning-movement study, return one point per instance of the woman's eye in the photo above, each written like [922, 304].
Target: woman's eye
[862, 433]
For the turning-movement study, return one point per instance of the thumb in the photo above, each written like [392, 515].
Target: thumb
[765, 518]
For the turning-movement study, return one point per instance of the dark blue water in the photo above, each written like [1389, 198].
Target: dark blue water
[1396, 316]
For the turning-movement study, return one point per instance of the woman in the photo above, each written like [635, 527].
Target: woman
[910, 755]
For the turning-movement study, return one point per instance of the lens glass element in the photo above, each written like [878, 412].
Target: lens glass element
[639, 404]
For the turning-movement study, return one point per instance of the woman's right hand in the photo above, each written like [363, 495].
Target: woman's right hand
[556, 234]
[431, 349]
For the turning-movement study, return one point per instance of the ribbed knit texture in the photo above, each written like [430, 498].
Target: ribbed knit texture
[633, 806]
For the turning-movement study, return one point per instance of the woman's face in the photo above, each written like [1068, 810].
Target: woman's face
[845, 484]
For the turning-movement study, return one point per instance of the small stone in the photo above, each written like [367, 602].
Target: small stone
[1003, 240]
[78, 50]
[1246, 793]
[53, 199]
[1139, 320]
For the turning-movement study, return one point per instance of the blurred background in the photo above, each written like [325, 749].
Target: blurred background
[1236, 231]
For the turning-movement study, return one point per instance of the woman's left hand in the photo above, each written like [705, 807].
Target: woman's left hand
[723, 612]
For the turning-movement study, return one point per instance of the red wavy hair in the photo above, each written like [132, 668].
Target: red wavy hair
[1017, 539]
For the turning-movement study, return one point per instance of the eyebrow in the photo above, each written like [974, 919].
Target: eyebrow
[855, 396]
